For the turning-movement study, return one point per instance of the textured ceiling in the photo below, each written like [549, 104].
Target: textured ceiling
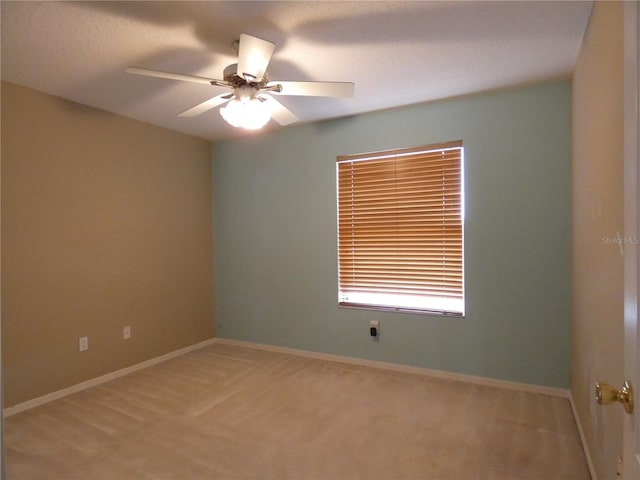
[397, 53]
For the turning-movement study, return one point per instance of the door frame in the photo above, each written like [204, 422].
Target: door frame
[631, 39]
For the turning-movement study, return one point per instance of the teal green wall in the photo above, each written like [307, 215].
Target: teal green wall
[275, 237]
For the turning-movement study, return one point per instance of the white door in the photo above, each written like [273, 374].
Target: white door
[631, 427]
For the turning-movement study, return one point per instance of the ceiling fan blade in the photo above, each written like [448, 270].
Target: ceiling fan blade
[315, 89]
[279, 112]
[172, 76]
[207, 105]
[254, 55]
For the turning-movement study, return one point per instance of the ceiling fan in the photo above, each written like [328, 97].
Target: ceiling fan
[251, 104]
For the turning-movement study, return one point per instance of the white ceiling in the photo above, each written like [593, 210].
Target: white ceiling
[397, 53]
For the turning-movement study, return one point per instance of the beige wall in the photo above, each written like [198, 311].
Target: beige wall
[597, 317]
[106, 222]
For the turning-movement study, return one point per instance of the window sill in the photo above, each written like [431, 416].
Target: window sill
[382, 308]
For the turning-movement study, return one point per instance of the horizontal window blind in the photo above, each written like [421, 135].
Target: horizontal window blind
[400, 235]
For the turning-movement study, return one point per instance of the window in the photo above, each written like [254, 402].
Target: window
[400, 235]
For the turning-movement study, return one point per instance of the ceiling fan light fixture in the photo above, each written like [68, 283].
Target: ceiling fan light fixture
[246, 112]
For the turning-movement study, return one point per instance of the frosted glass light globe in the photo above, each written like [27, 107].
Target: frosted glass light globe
[246, 112]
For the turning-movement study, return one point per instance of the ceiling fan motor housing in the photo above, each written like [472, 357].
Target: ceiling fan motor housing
[231, 75]
[243, 87]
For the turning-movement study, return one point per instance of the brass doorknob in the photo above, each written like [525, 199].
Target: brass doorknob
[606, 394]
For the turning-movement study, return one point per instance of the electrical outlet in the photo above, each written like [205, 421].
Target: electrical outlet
[83, 344]
[126, 332]
[374, 328]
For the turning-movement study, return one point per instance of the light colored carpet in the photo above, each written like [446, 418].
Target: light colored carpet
[226, 412]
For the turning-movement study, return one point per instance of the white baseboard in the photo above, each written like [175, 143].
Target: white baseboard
[523, 387]
[21, 407]
[583, 439]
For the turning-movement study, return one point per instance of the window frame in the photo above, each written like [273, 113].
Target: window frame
[451, 301]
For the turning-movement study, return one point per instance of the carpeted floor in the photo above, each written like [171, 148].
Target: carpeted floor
[227, 412]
